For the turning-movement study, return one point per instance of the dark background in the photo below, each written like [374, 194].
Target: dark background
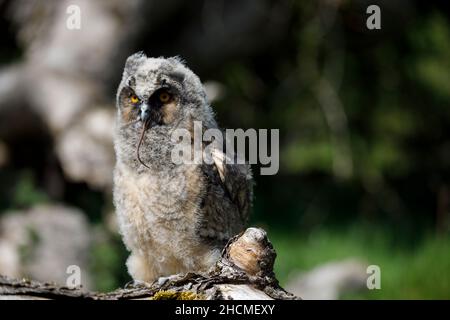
[364, 120]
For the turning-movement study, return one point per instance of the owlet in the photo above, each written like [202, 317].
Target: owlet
[174, 216]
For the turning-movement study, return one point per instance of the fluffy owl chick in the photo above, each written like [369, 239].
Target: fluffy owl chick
[173, 217]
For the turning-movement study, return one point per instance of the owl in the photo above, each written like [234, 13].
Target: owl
[173, 217]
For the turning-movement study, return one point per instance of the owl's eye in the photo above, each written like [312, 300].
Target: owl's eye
[134, 99]
[164, 97]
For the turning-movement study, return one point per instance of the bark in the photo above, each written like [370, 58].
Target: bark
[245, 271]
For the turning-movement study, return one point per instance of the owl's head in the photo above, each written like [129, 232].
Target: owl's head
[158, 92]
[156, 96]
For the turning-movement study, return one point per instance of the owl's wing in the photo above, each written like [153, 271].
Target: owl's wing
[236, 180]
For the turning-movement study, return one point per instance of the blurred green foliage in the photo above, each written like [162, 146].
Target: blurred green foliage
[108, 263]
[363, 111]
[26, 193]
[409, 270]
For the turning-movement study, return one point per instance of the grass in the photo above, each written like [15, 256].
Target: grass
[419, 270]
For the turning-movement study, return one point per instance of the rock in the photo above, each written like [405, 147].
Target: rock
[42, 242]
[329, 281]
[64, 77]
[86, 149]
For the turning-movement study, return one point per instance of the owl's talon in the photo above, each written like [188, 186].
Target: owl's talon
[135, 284]
[163, 280]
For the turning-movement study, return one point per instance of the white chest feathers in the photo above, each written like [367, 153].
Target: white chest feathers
[159, 215]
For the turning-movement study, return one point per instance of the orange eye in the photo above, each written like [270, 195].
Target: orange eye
[134, 99]
[164, 97]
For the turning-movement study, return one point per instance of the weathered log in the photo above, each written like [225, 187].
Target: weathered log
[245, 271]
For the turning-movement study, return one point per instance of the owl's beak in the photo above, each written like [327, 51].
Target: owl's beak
[145, 112]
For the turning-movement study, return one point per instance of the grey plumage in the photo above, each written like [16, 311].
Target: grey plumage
[173, 217]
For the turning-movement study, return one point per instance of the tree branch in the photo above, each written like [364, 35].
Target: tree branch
[245, 271]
